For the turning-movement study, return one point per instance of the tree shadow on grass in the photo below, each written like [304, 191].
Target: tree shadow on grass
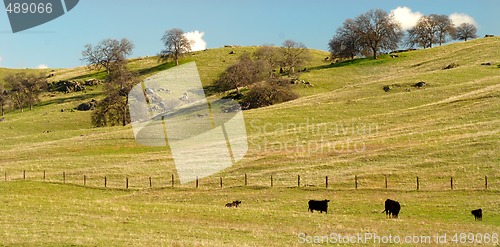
[100, 75]
[71, 98]
[352, 62]
[157, 68]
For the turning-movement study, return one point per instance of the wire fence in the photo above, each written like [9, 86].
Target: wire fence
[389, 182]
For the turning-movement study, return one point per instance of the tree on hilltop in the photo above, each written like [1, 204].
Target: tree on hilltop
[445, 28]
[293, 54]
[466, 31]
[377, 30]
[429, 30]
[243, 73]
[270, 55]
[106, 53]
[346, 42]
[176, 45]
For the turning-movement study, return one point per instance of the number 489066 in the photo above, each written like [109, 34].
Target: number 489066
[29, 8]
[471, 238]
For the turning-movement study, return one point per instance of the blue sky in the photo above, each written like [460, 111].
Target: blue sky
[59, 43]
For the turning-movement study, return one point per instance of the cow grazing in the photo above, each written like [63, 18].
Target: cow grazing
[321, 206]
[233, 204]
[391, 208]
[419, 84]
[478, 214]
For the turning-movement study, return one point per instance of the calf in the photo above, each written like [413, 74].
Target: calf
[478, 214]
[321, 206]
[392, 208]
[233, 204]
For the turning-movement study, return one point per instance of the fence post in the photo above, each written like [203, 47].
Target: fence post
[271, 181]
[298, 180]
[451, 182]
[246, 181]
[105, 181]
[64, 177]
[172, 180]
[356, 181]
[150, 183]
[5, 176]
[44, 175]
[385, 181]
[126, 182]
[418, 184]
[485, 182]
[84, 180]
[24, 174]
[197, 183]
[326, 181]
[221, 182]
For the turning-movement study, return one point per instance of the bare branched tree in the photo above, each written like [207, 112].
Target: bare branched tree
[4, 97]
[26, 88]
[243, 73]
[377, 30]
[429, 30]
[293, 54]
[266, 93]
[176, 44]
[270, 55]
[106, 53]
[113, 109]
[445, 28]
[346, 42]
[466, 31]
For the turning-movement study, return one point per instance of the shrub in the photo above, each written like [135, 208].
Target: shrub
[268, 93]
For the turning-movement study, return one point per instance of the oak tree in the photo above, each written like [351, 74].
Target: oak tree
[106, 53]
[176, 45]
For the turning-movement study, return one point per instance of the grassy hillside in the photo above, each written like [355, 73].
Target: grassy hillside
[345, 125]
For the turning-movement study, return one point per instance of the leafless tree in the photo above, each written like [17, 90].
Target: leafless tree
[4, 97]
[466, 31]
[377, 30]
[423, 33]
[429, 30]
[269, 54]
[106, 53]
[113, 109]
[26, 88]
[346, 42]
[243, 73]
[266, 93]
[444, 26]
[293, 54]
[176, 44]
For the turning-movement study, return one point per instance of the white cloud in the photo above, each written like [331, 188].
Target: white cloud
[459, 18]
[197, 38]
[43, 66]
[406, 17]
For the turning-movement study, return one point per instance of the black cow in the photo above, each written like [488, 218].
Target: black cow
[321, 206]
[233, 204]
[392, 208]
[478, 214]
[419, 84]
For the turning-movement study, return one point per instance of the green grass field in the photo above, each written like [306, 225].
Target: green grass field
[346, 125]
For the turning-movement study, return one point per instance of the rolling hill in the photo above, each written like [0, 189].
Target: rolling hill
[345, 125]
